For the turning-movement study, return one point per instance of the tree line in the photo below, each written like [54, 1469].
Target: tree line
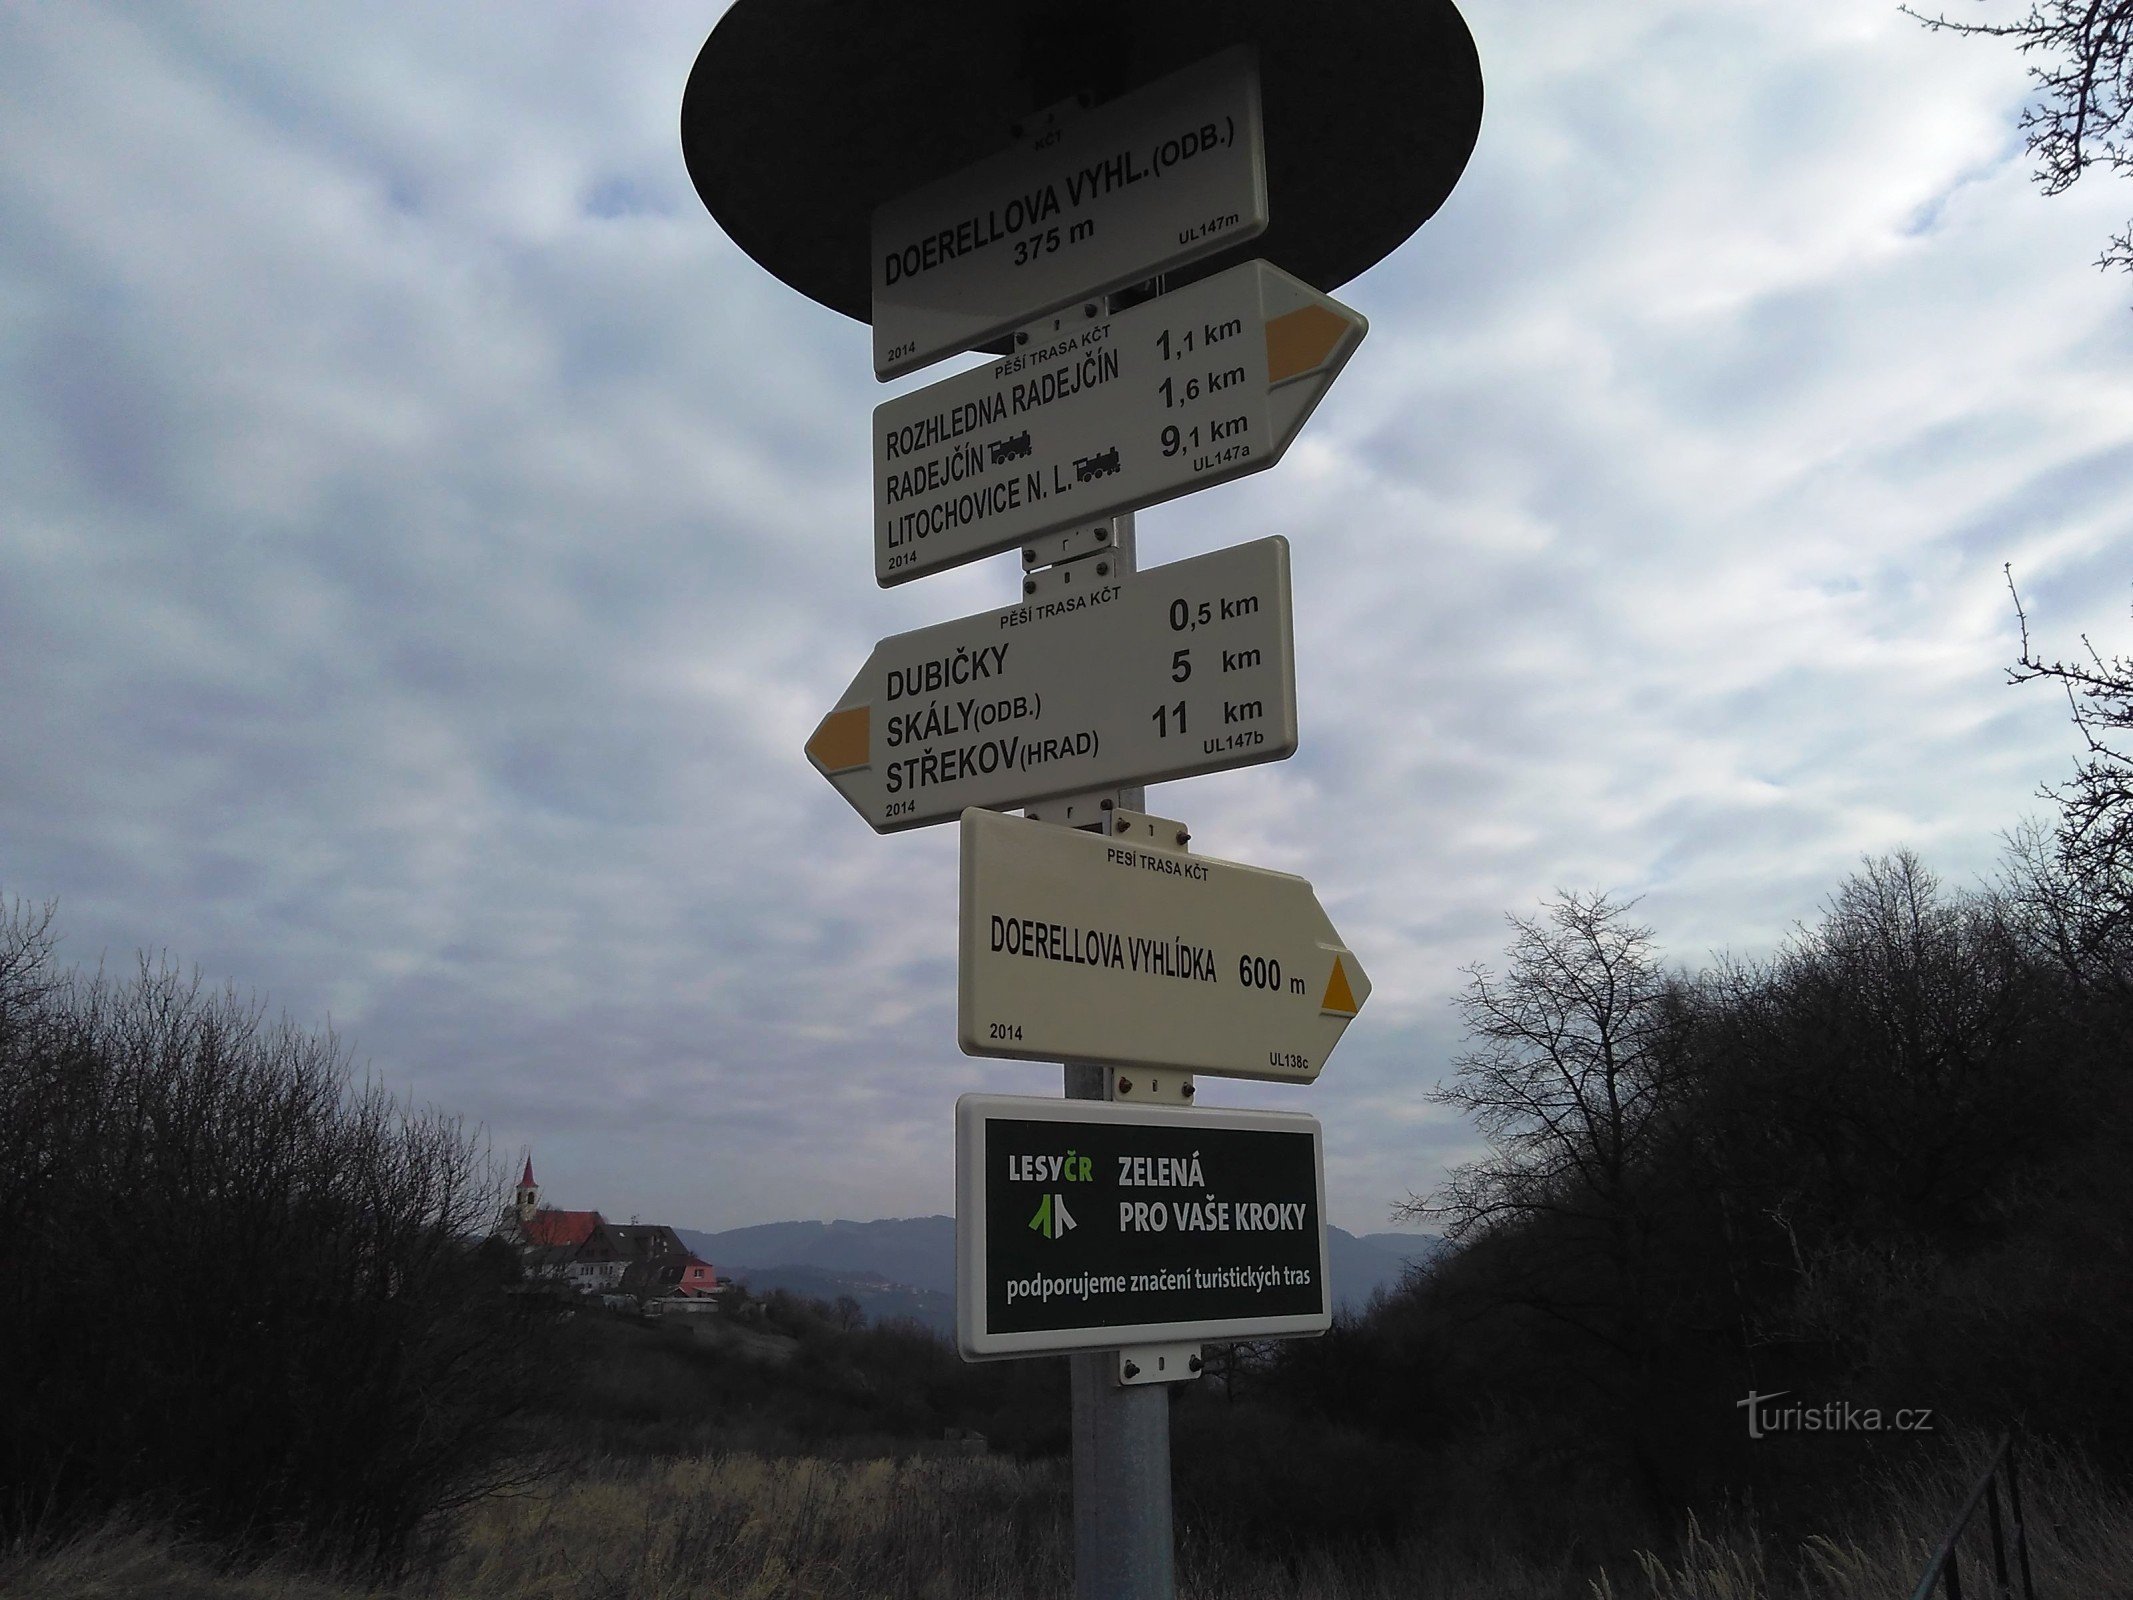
[239, 1291]
[1885, 1166]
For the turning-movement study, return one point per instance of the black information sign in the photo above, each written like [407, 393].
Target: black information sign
[1087, 1225]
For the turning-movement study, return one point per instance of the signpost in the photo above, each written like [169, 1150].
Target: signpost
[1169, 173]
[1105, 414]
[1081, 946]
[1119, 1235]
[1137, 677]
[1082, 1225]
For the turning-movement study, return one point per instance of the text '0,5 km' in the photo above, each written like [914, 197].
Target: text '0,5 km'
[1083, 947]
[1103, 414]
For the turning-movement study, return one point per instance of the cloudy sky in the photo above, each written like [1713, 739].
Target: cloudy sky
[426, 544]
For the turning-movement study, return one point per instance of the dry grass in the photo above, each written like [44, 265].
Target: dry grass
[954, 1527]
[2080, 1532]
[748, 1526]
[125, 1562]
[739, 1526]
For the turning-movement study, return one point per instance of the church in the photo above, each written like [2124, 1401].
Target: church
[647, 1262]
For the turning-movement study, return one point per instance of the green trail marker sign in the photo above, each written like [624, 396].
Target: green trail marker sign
[1082, 1225]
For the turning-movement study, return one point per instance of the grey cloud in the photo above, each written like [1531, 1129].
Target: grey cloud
[429, 543]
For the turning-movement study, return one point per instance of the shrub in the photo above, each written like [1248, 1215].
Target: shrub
[239, 1291]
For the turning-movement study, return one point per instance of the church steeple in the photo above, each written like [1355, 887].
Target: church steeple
[529, 1192]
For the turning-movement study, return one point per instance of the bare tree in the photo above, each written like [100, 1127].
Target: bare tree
[2083, 886]
[2084, 81]
[1579, 1051]
[1576, 1046]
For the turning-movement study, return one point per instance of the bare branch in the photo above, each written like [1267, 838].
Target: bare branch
[2084, 90]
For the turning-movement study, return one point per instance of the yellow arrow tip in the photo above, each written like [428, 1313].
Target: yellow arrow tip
[843, 740]
[1302, 341]
[1340, 999]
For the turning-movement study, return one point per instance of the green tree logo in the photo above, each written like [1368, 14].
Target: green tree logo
[1052, 1218]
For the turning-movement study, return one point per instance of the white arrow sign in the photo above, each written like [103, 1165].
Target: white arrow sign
[1103, 415]
[1088, 947]
[1177, 670]
[1156, 178]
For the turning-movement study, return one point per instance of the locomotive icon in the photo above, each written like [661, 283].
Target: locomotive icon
[1097, 466]
[1008, 449]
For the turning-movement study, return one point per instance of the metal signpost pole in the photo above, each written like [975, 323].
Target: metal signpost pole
[1123, 1543]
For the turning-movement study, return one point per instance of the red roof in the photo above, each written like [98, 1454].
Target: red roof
[527, 1181]
[561, 1227]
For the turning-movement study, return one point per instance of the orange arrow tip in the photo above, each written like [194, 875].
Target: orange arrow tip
[1340, 999]
[843, 740]
[1302, 341]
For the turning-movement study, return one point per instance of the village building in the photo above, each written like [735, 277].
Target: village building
[598, 1262]
[644, 1261]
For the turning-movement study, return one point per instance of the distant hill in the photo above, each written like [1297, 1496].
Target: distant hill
[905, 1266]
[878, 1298]
[919, 1251]
[1361, 1264]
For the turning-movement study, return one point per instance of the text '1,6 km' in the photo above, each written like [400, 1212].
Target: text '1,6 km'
[1104, 413]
